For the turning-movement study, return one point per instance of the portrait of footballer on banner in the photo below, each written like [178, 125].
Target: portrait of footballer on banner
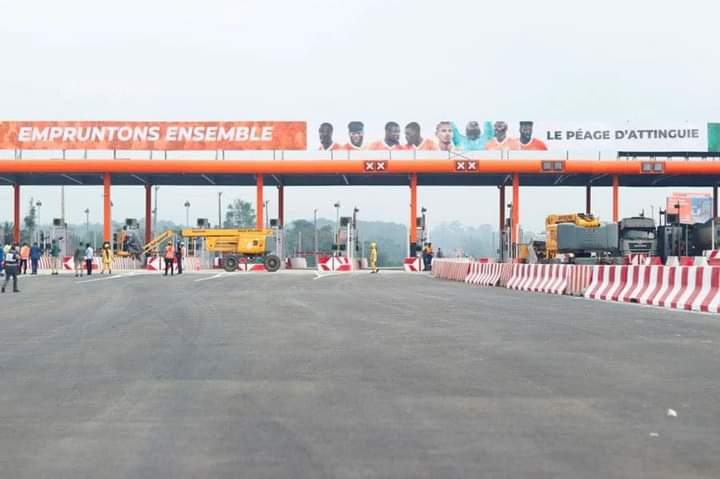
[446, 135]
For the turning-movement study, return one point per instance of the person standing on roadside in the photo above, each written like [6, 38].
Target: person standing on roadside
[107, 258]
[78, 257]
[428, 257]
[24, 256]
[2, 261]
[12, 265]
[373, 257]
[169, 257]
[179, 253]
[34, 258]
[89, 255]
[54, 256]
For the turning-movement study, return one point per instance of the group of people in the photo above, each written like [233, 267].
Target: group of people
[31, 254]
[84, 256]
[490, 137]
[428, 255]
[173, 255]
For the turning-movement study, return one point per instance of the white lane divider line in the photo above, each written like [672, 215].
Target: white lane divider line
[219, 275]
[114, 276]
[326, 275]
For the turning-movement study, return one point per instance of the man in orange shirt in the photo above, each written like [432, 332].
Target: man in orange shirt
[169, 257]
[391, 140]
[326, 141]
[527, 142]
[501, 141]
[24, 256]
[444, 134]
[356, 133]
[414, 139]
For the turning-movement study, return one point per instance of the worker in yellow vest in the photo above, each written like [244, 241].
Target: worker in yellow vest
[107, 258]
[373, 257]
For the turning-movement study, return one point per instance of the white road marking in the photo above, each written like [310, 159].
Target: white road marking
[115, 276]
[219, 275]
[325, 275]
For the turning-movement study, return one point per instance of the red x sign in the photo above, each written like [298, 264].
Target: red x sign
[374, 166]
[464, 166]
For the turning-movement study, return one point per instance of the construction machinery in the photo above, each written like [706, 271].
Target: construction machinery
[126, 240]
[238, 245]
[583, 239]
[153, 246]
[578, 220]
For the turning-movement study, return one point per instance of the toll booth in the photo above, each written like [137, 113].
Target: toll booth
[59, 233]
[422, 232]
[347, 240]
[196, 246]
[278, 238]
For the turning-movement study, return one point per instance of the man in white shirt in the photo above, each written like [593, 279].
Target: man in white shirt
[89, 254]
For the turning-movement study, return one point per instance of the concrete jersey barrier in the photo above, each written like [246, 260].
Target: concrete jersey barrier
[540, 278]
[486, 274]
[452, 269]
[695, 288]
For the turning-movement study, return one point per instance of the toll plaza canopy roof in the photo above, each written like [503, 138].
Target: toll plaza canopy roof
[540, 169]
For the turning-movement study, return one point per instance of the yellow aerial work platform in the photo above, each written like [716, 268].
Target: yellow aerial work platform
[237, 244]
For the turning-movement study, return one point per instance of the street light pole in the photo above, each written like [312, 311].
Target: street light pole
[187, 214]
[267, 220]
[87, 223]
[337, 229]
[37, 221]
[315, 233]
[219, 209]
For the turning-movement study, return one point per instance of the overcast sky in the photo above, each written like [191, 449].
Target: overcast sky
[245, 60]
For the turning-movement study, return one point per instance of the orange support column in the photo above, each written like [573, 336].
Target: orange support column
[148, 213]
[16, 213]
[515, 232]
[615, 198]
[107, 211]
[281, 206]
[259, 220]
[413, 215]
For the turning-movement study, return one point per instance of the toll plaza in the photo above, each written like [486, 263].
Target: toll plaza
[380, 169]
[295, 369]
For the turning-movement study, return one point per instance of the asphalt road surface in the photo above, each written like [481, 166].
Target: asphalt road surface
[390, 375]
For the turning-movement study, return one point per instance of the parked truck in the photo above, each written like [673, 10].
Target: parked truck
[582, 238]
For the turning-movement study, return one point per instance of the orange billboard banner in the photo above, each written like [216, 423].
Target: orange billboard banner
[144, 135]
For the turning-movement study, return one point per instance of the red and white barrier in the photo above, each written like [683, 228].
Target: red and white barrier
[334, 263]
[542, 278]
[413, 265]
[68, 263]
[579, 278]
[452, 269]
[694, 288]
[486, 274]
